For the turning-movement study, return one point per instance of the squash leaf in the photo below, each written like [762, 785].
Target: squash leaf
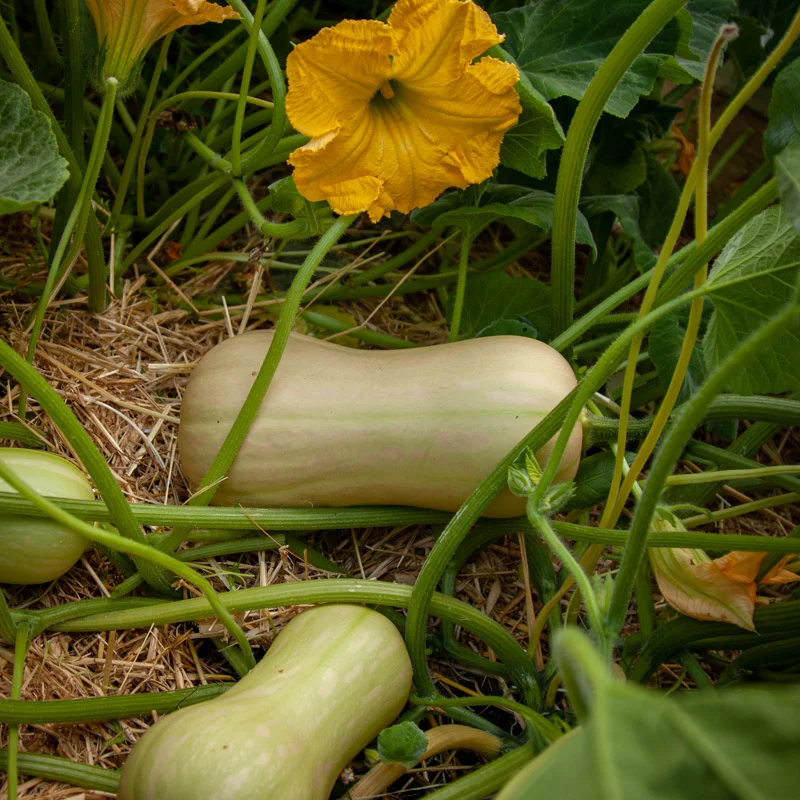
[639, 744]
[784, 113]
[31, 169]
[492, 302]
[560, 51]
[755, 275]
[787, 168]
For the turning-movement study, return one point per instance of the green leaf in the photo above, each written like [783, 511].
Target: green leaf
[666, 339]
[733, 744]
[31, 169]
[658, 200]
[510, 327]
[402, 744]
[462, 210]
[497, 296]
[787, 167]
[626, 208]
[753, 277]
[560, 45]
[525, 146]
[784, 111]
[594, 479]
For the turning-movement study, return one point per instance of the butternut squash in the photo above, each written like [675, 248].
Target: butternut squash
[32, 549]
[333, 679]
[345, 427]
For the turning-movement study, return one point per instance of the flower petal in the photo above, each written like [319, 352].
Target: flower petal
[469, 118]
[702, 591]
[381, 159]
[337, 72]
[437, 39]
[197, 12]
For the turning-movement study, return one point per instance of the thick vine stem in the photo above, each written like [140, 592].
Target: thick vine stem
[21, 644]
[254, 160]
[440, 739]
[576, 150]
[671, 447]
[142, 551]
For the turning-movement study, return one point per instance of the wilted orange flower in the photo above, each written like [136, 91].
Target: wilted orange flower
[723, 590]
[398, 112]
[127, 29]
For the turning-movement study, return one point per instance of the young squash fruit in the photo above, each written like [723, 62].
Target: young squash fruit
[33, 549]
[345, 427]
[332, 680]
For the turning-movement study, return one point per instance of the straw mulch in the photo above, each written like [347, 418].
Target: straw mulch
[122, 374]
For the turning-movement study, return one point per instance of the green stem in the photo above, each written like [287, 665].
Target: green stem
[77, 223]
[247, 74]
[572, 565]
[728, 475]
[339, 590]
[534, 720]
[64, 771]
[745, 509]
[87, 452]
[253, 160]
[75, 78]
[670, 450]
[229, 523]
[8, 628]
[576, 149]
[463, 263]
[131, 157]
[142, 551]
[98, 709]
[287, 230]
[20, 651]
[46, 32]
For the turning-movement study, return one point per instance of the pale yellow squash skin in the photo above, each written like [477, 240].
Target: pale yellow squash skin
[332, 680]
[345, 427]
[35, 549]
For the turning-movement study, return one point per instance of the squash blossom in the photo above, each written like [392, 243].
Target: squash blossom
[127, 29]
[722, 590]
[399, 112]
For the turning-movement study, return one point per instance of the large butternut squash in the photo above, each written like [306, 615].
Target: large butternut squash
[332, 680]
[345, 427]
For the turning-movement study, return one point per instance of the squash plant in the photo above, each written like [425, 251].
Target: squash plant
[501, 126]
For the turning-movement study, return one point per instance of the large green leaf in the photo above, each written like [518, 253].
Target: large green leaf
[641, 744]
[496, 296]
[626, 208]
[31, 170]
[525, 146]
[560, 45]
[784, 110]
[754, 276]
[787, 167]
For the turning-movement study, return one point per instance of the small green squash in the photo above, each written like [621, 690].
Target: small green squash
[345, 427]
[332, 680]
[33, 549]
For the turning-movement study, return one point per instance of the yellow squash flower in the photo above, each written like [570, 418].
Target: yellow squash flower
[127, 29]
[398, 112]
